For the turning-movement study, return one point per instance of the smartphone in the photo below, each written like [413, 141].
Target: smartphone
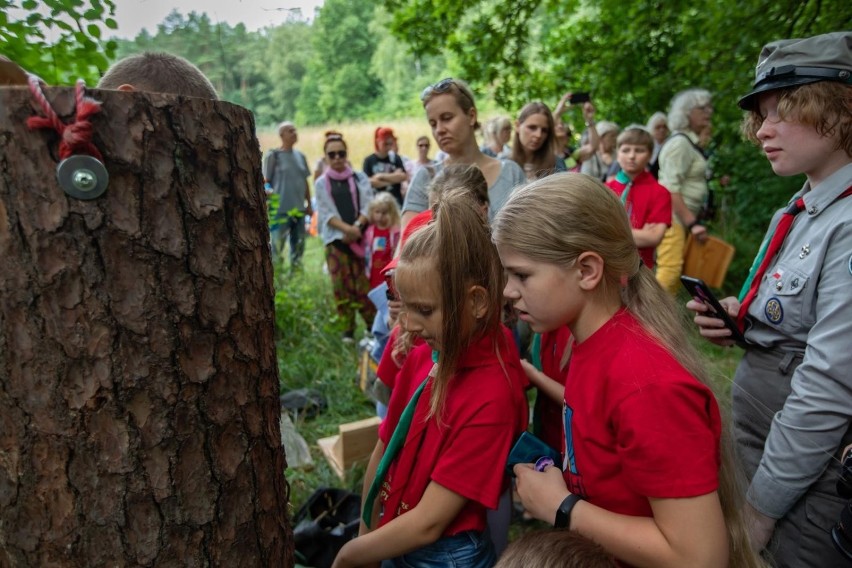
[579, 98]
[699, 290]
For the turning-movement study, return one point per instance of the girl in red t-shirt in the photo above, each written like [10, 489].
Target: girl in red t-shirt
[457, 405]
[645, 472]
[382, 236]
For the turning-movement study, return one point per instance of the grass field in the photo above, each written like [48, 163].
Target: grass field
[359, 139]
[311, 354]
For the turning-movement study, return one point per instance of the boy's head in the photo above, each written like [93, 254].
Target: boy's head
[158, 73]
[555, 548]
[635, 146]
[813, 80]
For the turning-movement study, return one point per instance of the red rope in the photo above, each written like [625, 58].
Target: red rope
[76, 138]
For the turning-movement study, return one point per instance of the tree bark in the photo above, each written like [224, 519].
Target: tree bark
[139, 413]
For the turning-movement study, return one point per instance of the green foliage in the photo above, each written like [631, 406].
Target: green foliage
[633, 57]
[58, 40]
[342, 84]
[311, 355]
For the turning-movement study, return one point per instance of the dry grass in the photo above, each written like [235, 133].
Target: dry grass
[358, 136]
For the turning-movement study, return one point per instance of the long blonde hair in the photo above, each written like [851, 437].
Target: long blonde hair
[555, 219]
[457, 245]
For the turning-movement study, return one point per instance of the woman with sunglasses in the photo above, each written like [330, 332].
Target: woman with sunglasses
[342, 199]
[423, 160]
[452, 115]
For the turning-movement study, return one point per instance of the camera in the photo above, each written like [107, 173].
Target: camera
[841, 533]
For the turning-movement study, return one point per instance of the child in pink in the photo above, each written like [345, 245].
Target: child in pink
[382, 236]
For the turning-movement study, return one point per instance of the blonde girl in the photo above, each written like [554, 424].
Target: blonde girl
[644, 475]
[440, 459]
[382, 235]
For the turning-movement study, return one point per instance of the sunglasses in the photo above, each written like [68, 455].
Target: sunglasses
[332, 155]
[443, 86]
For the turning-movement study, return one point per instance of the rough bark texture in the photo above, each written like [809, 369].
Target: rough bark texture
[138, 381]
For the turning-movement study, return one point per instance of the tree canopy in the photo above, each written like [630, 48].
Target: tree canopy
[59, 40]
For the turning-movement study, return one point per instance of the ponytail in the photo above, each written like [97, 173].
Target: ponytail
[458, 244]
[554, 220]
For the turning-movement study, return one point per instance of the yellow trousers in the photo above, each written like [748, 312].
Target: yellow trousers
[670, 257]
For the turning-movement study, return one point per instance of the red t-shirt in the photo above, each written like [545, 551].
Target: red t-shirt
[381, 244]
[484, 411]
[647, 202]
[637, 424]
[387, 369]
[548, 413]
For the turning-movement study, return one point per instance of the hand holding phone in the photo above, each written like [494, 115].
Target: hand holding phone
[577, 98]
[699, 290]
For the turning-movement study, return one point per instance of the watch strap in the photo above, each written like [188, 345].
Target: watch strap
[563, 513]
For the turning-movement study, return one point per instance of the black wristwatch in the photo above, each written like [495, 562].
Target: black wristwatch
[563, 513]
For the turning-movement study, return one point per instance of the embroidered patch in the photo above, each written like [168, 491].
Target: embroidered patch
[773, 311]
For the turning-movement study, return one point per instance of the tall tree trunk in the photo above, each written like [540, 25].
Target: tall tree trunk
[138, 380]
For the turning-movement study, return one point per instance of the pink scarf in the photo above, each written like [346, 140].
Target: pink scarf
[348, 175]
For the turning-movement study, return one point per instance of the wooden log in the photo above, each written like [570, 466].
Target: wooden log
[138, 378]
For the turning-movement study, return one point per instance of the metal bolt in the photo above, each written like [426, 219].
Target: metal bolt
[84, 180]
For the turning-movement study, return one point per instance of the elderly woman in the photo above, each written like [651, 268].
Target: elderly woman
[683, 171]
[497, 132]
[452, 115]
[658, 126]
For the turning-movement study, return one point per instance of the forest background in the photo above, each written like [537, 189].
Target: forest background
[360, 61]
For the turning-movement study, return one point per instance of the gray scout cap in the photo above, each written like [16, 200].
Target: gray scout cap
[792, 62]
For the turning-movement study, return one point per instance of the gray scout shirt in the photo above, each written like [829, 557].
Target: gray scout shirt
[511, 176]
[804, 306]
[287, 172]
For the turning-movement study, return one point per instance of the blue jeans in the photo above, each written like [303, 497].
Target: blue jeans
[469, 549]
[295, 228]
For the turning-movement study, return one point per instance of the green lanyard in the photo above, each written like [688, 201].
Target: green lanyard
[755, 265]
[622, 177]
[395, 444]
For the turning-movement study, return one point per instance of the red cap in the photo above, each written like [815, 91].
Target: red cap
[420, 220]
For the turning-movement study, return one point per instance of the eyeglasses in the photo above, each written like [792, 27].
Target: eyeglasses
[442, 87]
[706, 108]
[332, 155]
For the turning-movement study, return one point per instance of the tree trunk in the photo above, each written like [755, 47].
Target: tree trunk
[139, 413]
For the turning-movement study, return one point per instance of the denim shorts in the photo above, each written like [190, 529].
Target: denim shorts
[470, 549]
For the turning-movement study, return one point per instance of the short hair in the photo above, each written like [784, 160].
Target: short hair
[824, 105]
[637, 135]
[655, 118]
[422, 138]
[683, 103]
[493, 126]
[459, 176]
[159, 73]
[560, 548]
[387, 200]
[284, 125]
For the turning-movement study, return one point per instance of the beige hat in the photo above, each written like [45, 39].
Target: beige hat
[792, 62]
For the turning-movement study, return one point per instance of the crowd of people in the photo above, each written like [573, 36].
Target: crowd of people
[586, 245]
[649, 474]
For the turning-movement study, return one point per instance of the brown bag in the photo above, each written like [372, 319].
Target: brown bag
[709, 260]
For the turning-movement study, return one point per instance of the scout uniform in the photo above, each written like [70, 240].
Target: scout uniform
[792, 395]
